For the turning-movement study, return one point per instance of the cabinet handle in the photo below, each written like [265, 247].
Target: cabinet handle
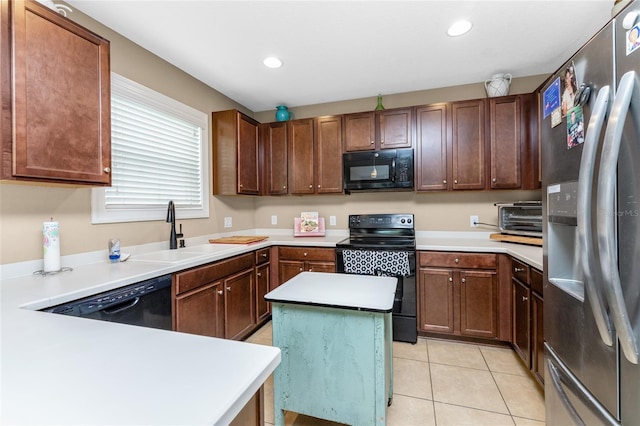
[464, 280]
[264, 254]
[220, 292]
[305, 255]
[516, 270]
[284, 186]
[455, 181]
[318, 186]
[240, 185]
[457, 260]
[444, 181]
[494, 180]
[525, 298]
[450, 279]
[259, 274]
[228, 288]
[301, 269]
[107, 169]
[382, 142]
[310, 269]
[372, 142]
[310, 186]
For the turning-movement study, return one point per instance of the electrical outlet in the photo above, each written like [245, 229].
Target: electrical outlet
[228, 222]
[274, 219]
[332, 220]
[473, 221]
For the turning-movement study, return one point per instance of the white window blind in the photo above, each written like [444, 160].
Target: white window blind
[159, 153]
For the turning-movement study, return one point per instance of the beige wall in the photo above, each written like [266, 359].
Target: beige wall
[23, 207]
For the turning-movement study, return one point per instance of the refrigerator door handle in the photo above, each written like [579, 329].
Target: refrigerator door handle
[591, 268]
[562, 395]
[628, 95]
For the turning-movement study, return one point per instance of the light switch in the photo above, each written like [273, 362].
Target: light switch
[228, 222]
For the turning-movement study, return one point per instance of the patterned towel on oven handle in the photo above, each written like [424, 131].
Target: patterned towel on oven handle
[376, 262]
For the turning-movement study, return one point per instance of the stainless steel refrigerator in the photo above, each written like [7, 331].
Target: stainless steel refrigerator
[590, 140]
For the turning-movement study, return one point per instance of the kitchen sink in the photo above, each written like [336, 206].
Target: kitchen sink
[179, 255]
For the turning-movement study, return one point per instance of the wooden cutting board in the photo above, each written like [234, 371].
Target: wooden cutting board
[534, 241]
[238, 239]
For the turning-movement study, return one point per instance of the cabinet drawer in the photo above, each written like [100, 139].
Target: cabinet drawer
[536, 281]
[201, 275]
[520, 271]
[307, 253]
[262, 256]
[457, 260]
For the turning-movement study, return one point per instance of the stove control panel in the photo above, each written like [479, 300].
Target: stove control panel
[390, 221]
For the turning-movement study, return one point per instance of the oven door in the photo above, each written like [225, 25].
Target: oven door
[397, 263]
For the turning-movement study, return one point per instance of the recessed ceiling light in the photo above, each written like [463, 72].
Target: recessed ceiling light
[458, 28]
[272, 62]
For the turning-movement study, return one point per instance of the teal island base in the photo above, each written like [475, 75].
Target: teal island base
[336, 363]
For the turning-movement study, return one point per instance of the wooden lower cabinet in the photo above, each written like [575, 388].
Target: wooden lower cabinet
[527, 311]
[253, 412]
[293, 260]
[263, 279]
[218, 299]
[458, 294]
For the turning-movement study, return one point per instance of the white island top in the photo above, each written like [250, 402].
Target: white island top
[360, 292]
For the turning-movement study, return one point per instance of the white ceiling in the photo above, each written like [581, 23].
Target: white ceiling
[338, 50]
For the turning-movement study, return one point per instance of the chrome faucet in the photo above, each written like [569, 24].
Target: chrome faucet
[171, 218]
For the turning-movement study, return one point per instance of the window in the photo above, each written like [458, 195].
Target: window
[159, 153]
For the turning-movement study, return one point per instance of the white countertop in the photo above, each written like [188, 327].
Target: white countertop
[65, 370]
[361, 292]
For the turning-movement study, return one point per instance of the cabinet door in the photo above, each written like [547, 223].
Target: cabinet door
[262, 288]
[201, 311]
[61, 92]
[521, 315]
[275, 145]
[300, 133]
[288, 269]
[537, 337]
[435, 300]
[506, 142]
[478, 303]
[328, 154]
[431, 148]
[468, 145]
[248, 182]
[396, 128]
[360, 131]
[239, 305]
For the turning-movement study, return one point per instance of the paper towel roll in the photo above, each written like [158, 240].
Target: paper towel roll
[51, 246]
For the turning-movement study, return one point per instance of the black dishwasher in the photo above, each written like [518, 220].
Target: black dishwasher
[147, 304]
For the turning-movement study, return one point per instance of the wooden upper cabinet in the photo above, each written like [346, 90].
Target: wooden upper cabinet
[395, 128]
[315, 155]
[506, 137]
[301, 160]
[328, 154]
[431, 148]
[360, 131]
[384, 129]
[274, 137]
[468, 145]
[235, 154]
[58, 98]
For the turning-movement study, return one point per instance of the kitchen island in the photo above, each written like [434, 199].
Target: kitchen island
[335, 334]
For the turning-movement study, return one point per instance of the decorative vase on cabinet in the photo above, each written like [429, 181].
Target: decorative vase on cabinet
[498, 85]
[282, 113]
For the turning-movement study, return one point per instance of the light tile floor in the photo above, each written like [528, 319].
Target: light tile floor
[439, 382]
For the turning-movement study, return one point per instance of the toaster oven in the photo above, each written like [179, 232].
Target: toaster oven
[520, 218]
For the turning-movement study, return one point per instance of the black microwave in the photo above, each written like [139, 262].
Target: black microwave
[389, 169]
